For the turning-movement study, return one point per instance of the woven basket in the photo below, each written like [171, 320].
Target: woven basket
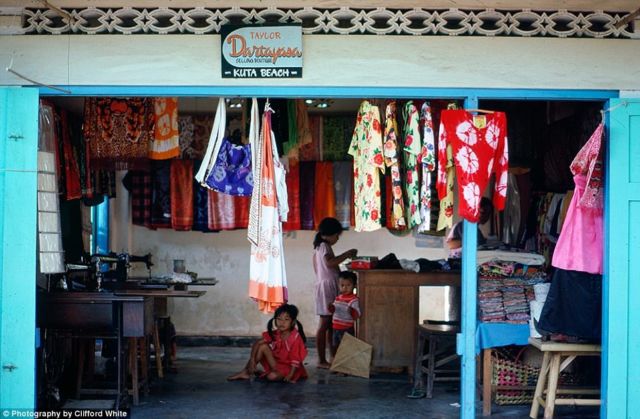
[516, 374]
[510, 371]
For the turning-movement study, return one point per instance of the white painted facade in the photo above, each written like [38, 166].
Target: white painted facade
[330, 60]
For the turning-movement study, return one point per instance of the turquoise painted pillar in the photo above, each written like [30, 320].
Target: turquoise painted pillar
[621, 282]
[18, 212]
[467, 339]
[101, 227]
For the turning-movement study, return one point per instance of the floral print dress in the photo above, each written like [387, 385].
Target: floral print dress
[412, 148]
[427, 161]
[368, 163]
[391, 159]
[479, 148]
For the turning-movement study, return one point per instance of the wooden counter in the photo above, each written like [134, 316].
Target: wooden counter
[390, 307]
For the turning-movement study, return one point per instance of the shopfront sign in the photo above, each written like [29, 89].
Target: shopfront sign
[261, 51]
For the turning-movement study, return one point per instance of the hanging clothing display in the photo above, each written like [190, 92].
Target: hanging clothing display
[343, 187]
[200, 207]
[589, 161]
[71, 169]
[446, 176]
[119, 131]
[268, 280]
[574, 305]
[165, 143]
[241, 207]
[427, 160]
[161, 195]
[392, 160]
[324, 194]
[302, 122]
[186, 129]
[368, 163]
[181, 194]
[310, 151]
[222, 212]
[290, 145]
[293, 183]
[412, 148]
[202, 126]
[307, 194]
[140, 187]
[479, 147]
[580, 243]
[512, 213]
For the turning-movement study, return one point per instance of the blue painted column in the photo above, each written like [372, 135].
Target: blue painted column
[100, 227]
[467, 339]
[18, 215]
[621, 287]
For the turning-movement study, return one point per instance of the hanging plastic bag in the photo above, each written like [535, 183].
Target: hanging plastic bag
[215, 143]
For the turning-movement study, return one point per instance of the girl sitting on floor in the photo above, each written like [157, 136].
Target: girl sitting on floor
[281, 352]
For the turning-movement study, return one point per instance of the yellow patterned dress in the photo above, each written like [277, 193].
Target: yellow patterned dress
[368, 163]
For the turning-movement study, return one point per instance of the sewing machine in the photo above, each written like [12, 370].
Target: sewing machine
[105, 271]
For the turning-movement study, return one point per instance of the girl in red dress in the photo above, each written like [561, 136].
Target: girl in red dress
[281, 352]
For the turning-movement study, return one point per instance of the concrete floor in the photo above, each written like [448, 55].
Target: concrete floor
[199, 390]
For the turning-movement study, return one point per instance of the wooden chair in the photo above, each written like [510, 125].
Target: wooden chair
[552, 365]
[440, 339]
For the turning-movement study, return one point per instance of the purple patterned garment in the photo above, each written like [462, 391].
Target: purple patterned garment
[231, 173]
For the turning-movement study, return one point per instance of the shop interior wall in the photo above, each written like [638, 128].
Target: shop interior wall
[226, 310]
[394, 61]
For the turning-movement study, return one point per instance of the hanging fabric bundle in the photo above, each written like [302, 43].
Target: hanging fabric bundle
[226, 167]
[268, 280]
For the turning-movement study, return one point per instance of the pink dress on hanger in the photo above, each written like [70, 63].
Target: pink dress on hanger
[580, 245]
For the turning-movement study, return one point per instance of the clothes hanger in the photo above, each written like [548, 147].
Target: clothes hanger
[480, 111]
[267, 107]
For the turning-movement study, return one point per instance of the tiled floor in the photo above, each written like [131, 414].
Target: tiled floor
[199, 390]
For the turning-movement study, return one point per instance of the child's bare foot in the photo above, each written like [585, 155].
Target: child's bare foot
[242, 375]
[324, 365]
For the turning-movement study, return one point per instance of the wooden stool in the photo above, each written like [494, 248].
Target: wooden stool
[552, 365]
[441, 339]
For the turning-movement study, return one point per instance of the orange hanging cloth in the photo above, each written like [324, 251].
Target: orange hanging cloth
[324, 193]
[166, 138]
[181, 194]
[267, 274]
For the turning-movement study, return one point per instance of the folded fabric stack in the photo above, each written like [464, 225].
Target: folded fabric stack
[515, 302]
[505, 289]
[490, 299]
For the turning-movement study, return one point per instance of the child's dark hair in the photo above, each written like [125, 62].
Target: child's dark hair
[292, 311]
[327, 227]
[349, 276]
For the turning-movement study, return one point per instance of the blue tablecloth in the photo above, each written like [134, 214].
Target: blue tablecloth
[491, 335]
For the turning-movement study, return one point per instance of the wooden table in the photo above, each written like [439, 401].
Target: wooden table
[160, 302]
[389, 300]
[91, 314]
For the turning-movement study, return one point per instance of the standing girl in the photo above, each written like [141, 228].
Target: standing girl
[281, 352]
[326, 267]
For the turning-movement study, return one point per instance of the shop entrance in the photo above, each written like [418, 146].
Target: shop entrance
[466, 366]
